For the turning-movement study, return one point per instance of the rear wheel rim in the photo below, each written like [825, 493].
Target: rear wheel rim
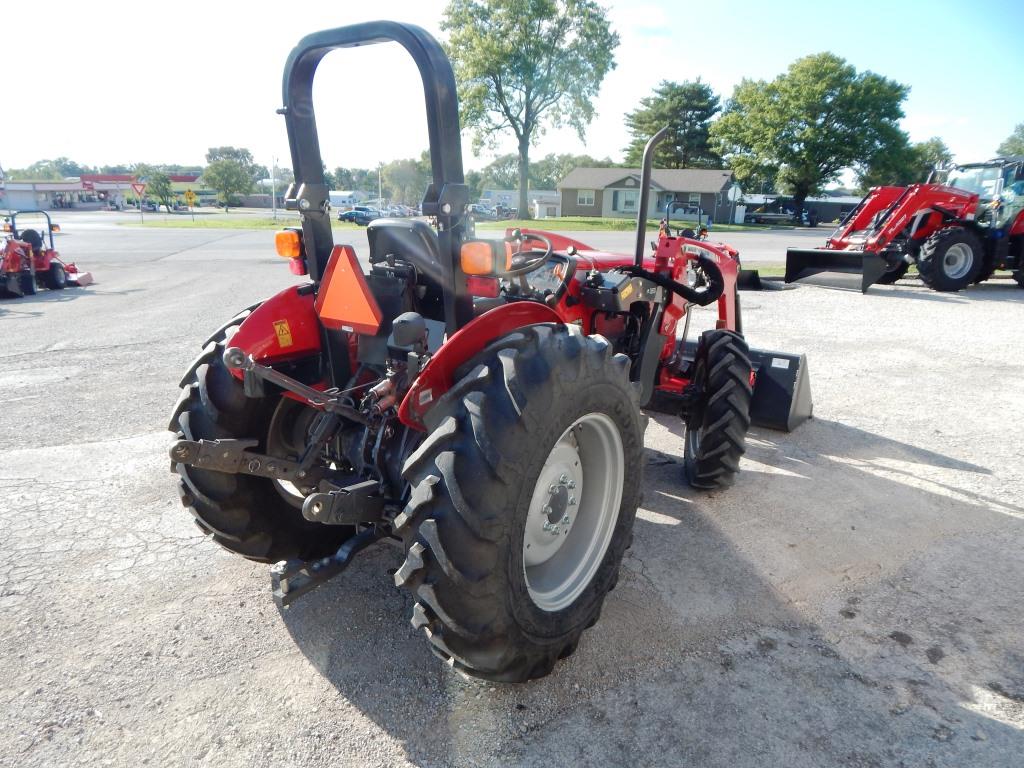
[286, 439]
[573, 511]
[958, 261]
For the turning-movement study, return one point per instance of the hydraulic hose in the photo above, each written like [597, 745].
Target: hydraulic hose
[702, 297]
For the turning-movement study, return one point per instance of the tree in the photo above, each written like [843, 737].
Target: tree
[686, 108]
[1014, 144]
[407, 180]
[241, 156]
[548, 172]
[158, 184]
[900, 163]
[523, 65]
[809, 124]
[229, 178]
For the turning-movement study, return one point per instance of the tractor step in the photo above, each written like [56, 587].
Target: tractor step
[291, 579]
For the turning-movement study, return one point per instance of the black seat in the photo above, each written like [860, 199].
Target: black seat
[414, 242]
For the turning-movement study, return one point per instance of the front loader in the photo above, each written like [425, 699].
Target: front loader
[477, 401]
[958, 232]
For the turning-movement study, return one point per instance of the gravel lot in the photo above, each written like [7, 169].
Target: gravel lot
[855, 599]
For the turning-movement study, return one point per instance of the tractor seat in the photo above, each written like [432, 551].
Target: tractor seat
[411, 240]
[33, 238]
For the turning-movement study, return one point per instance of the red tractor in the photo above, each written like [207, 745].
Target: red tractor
[958, 232]
[26, 264]
[477, 401]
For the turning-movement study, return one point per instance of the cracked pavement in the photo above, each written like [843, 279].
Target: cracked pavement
[854, 600]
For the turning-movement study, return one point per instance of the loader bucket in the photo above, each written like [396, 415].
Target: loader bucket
[749, 280]
[835, 269]
[782, 390]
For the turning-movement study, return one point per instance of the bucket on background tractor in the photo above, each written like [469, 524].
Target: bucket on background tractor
[851, 270]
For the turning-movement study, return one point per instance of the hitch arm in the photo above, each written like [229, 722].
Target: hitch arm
[237, 359]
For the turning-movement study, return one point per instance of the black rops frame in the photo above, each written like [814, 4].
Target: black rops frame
[446, 197]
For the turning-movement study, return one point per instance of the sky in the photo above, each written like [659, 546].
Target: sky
[106, 83]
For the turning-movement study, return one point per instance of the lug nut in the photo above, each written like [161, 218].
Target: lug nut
[572, 484]
[565, 520]
[563, 479]
[572, 501]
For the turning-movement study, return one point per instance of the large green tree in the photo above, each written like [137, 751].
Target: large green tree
[899, 162]
[523, 65]
[158, 184]
[241, 156]
[407, 180]
[687, 109]
[229, 178]
[1014, 144]
[809, 124]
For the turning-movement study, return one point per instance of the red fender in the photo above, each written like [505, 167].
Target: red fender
[1018, 225]
[438, 377]
[283, 327]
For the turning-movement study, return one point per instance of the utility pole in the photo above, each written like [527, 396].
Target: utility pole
[380, 189]
[273, 185]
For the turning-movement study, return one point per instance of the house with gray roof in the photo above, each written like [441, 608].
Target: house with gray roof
[615, 192]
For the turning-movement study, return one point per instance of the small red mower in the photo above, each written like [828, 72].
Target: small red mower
[26, 264]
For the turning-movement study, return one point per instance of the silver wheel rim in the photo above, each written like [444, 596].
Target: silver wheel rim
[958, 261]
[573, 511]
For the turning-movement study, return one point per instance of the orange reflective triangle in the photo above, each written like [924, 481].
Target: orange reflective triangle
[344, 301]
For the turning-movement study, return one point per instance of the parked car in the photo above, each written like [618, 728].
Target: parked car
[482, 212]
[359, 215]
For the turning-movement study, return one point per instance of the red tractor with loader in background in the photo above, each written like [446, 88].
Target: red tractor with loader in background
[477, 401]
[957, 232]
[27, 264]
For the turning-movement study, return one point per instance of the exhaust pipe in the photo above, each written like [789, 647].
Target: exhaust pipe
[645, 185]
[805, 265]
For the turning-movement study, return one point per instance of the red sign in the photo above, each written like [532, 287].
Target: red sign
[138, 188]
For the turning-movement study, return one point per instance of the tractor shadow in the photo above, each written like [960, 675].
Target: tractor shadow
[802, 617]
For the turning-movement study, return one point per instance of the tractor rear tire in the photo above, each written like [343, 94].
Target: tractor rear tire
[493, 478]
[245, 514]
[716, 432]
[56, 278]
[951, 259]
[894, 274]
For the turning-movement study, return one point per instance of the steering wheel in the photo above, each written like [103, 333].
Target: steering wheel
[528, 260]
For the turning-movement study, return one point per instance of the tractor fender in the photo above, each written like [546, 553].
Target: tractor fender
[284, 327]
[439, 374]
[1017, 228]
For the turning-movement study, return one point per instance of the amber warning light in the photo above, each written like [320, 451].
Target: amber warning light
[288, 243]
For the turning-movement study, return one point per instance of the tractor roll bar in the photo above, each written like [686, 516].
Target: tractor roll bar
[447, 196]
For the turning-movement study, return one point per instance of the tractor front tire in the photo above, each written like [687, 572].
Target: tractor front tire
[522, 502]
[27, 283]
[245, 514]
[56, 278]
[716, 430]
[951, 259]
[894, 274]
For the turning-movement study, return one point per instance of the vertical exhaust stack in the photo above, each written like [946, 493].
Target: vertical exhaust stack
[645, 185]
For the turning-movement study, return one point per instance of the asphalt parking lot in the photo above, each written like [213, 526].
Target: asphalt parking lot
[854, 600]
